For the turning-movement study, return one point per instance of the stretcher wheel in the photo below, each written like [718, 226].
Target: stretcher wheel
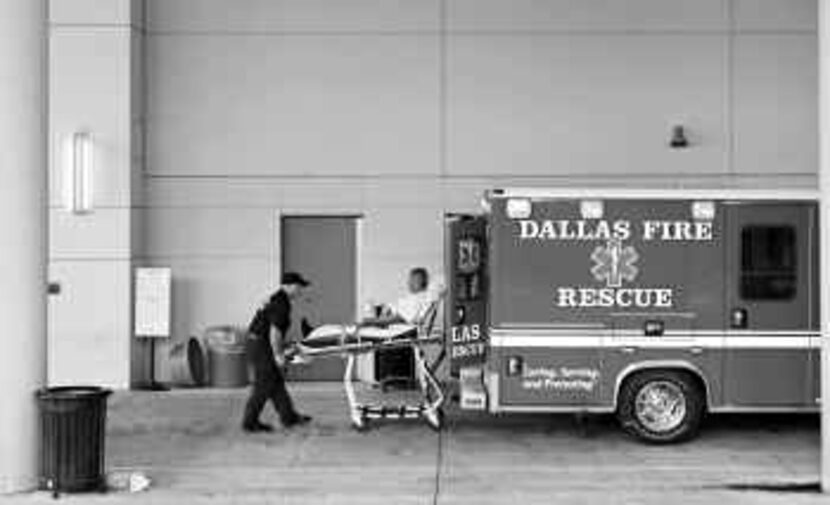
[434, 418]
[361, 424]
[360, 428]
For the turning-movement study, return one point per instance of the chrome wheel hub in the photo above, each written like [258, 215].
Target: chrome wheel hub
[660, 406]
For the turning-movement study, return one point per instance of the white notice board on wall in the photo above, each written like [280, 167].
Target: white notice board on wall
[152, 302]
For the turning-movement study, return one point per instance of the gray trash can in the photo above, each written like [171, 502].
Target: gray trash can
[73, 431]
[187, 364]
[227, 360]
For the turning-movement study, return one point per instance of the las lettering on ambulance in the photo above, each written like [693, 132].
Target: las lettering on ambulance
[461, 334]
[610, 297]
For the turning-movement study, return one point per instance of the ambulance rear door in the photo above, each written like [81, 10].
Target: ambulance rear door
[466, 309]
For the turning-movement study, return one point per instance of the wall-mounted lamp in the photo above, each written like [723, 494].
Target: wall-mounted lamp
[678, 138]
[78, 168]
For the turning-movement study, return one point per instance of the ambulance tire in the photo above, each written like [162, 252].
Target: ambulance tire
[678, 382]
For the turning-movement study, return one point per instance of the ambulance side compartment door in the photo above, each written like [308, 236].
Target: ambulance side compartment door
[771, 314]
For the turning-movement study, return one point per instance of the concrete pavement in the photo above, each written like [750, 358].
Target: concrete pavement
[189, 443]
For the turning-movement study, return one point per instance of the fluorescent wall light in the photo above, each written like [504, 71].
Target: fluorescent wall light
[78, 168]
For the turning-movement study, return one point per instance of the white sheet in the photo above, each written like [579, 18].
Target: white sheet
[336, 331]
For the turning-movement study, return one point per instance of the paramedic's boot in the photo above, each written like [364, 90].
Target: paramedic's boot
[297, 420]
[257, 428]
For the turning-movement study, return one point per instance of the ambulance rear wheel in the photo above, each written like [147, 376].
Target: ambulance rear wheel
[661, 406]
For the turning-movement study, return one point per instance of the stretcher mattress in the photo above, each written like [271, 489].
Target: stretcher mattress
[333, 335]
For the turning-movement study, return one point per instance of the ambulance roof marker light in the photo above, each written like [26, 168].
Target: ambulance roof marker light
[591, 209]
[519, 208]
[703, 210]
[486, 206]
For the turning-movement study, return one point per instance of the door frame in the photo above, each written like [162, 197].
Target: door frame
[276, 243]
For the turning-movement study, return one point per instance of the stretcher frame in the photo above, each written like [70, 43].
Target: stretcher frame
[429, 408]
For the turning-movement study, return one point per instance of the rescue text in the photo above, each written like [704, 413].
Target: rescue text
[611, 297]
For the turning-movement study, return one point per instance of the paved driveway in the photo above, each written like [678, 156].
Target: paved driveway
[188, 442]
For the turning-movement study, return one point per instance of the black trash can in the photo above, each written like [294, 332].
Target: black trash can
[73, 430]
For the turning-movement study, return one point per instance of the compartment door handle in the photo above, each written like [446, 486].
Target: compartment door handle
[739, 319]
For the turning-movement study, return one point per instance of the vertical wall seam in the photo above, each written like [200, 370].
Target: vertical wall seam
[47, 142]
[730, 90]
[148, 365]
[443, 140]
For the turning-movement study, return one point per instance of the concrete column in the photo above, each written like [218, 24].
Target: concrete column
[824, 186]
[96, 78]
[23, 235]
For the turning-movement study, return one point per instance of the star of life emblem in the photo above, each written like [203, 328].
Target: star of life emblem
[614, 263]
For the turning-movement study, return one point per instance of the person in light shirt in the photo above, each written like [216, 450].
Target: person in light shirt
[412, 307]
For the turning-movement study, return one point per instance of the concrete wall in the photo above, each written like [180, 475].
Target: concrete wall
[406, 110]
[95, 85]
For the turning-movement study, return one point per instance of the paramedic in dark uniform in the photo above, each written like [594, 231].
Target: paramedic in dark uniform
[269, 382]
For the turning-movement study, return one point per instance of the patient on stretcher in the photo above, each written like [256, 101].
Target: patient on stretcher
[397, 321]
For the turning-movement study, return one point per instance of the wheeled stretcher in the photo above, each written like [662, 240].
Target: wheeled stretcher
[350, 341]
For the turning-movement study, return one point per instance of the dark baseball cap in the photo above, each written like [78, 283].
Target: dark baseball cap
[294, 278]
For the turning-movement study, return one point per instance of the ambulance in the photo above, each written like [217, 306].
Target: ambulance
[658, 306]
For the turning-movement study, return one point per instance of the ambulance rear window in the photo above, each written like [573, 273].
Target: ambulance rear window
[768, 263]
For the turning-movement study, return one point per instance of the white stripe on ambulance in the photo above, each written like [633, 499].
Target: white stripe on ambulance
[609, 339]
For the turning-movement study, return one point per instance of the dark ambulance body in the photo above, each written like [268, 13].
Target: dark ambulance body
[566, 309]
